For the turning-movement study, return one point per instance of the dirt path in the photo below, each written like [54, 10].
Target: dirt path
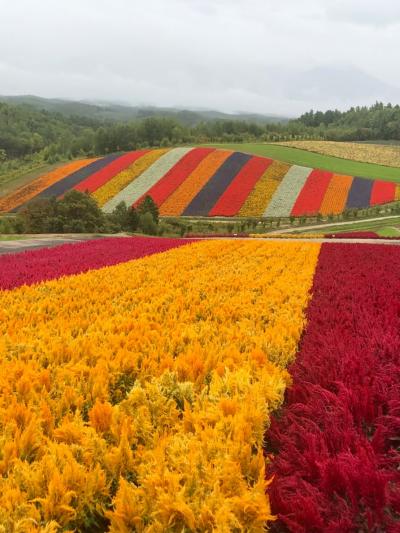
[48, 241]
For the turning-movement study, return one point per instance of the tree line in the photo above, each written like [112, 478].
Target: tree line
[27, 133]
[78, 212]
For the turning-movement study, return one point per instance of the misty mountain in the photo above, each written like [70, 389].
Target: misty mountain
[109, 111]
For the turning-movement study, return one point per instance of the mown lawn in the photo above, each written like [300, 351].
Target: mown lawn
[384, 227]
[305, 158]
[12, 237]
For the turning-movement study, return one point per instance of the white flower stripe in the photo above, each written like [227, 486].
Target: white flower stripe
[285, 196]
[145, 181]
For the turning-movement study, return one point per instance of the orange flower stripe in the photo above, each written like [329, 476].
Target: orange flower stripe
[261, 195]
[124, 178]
[336, 195]
[184, 194]
[31, 189]
[397, 193]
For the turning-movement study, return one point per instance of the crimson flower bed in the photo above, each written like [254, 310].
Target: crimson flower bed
[27, 268]
[336, 441]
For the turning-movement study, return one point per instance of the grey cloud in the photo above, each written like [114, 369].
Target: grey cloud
[365, 12]
[258, 55]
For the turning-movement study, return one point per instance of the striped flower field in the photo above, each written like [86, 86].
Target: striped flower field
[156, 385]
[208, 182]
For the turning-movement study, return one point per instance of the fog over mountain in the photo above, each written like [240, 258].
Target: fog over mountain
[256, 56]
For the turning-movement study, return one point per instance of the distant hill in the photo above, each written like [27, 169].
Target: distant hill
[207, 182]
[121, 112]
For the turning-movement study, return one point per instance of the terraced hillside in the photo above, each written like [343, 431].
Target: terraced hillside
[207, 182]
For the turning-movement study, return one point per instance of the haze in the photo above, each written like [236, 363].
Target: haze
[255, 55]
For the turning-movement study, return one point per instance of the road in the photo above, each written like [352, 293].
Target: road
[49, 241]
[32, 242]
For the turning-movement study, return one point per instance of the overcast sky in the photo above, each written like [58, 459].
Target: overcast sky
[268, 56]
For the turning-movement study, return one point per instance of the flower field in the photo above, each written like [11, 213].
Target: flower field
[256, 388]
[367, 153]
[336, 442]
[31, 190]
[136, 396]
[208, 182]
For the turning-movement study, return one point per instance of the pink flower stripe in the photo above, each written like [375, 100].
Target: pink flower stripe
[382, 192]
[311, 195]
[239, 189]
[177, 175]
[336, 442]
[102, 176]
[28, 268]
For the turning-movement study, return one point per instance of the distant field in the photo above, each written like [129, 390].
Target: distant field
[209, 182]
[306, 158]
[9, 181]
[379, 154]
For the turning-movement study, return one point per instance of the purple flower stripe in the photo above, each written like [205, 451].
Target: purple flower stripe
[360, 193]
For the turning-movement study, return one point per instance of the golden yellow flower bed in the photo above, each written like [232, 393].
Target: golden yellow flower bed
[366, 153]
[135, 397]
[261, 195]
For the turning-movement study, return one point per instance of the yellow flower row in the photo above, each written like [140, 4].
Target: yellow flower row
[261, 195]
[286, 235]
[140, 393]
[124, 178]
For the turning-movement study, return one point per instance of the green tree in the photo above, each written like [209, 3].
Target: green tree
[80, 213]
[38, 216]
[76, 213]
[148, 205]
[127, 219]
[147, 224]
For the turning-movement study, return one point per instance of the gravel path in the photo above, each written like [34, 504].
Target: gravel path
[49, 241]
[46, 241]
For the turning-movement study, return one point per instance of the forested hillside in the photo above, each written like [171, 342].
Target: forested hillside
[379, 121]
[124, 112]
[28, 134]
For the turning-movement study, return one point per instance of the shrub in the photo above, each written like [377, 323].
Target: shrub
[147, 224]
[148, 206]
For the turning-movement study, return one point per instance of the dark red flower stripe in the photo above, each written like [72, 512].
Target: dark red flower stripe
[99, 178]
[311, 195]
[382, 192]
[177, 175]
[337, 439]
[31, 267]
[208, 196]
[236, 193]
